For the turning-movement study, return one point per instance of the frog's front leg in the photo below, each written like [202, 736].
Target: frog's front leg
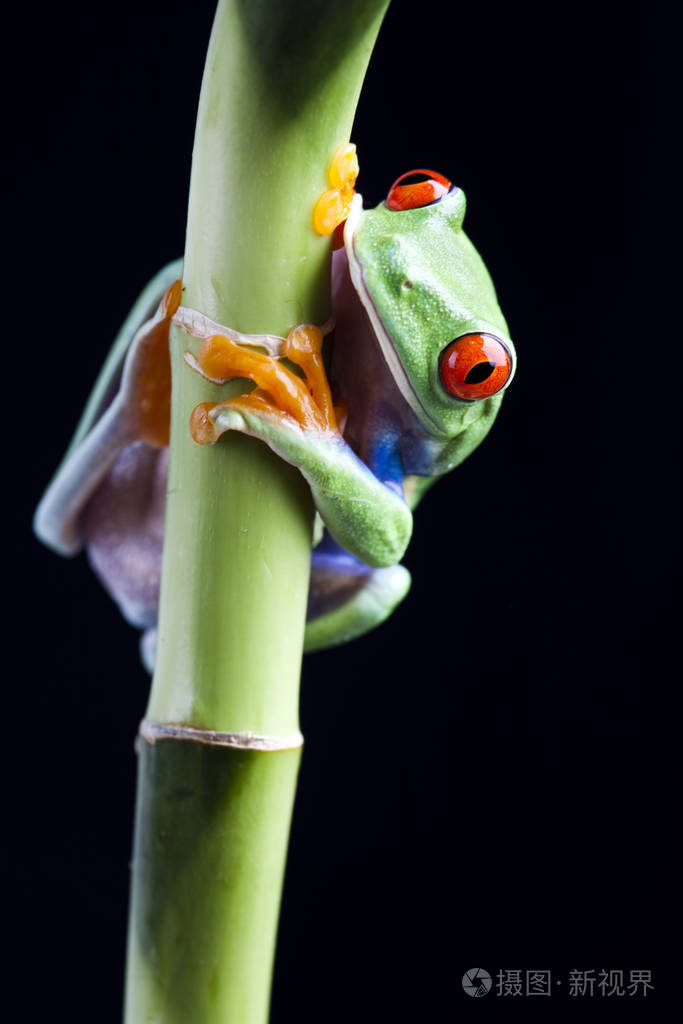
[297, 420]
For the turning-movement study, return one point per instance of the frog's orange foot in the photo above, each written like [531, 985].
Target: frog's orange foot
[279, 391]
[203, 428]
[147, 379]
[333, 206]
[171, 299]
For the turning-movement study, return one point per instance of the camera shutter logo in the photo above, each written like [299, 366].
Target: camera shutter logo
[476, 982]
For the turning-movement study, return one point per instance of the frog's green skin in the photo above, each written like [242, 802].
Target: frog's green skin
[407, 284]
[423, 284]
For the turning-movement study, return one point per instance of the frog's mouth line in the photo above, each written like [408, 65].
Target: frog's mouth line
[388, 351]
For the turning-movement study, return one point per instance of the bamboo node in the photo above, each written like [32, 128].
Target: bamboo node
[152, 732]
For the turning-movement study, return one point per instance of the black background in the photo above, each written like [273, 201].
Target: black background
[523, 812]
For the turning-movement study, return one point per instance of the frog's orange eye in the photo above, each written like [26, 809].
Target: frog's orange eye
[428, 187]
[475, 366]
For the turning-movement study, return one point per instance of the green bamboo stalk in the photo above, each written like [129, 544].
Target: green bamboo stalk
[279, 93]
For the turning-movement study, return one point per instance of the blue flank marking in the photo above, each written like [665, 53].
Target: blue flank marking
[385, 461]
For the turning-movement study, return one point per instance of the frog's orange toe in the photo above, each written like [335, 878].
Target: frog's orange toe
[331, 209]
[150, 376]
[333, 206]
[219, 358]
[343, 167]
[202, 429]
[304, 348]
[171, 299]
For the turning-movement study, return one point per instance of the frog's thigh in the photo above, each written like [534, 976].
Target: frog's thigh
[122, 528]
[348, 599]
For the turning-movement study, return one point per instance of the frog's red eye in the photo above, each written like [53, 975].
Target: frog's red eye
[427, 187]
[475, 366]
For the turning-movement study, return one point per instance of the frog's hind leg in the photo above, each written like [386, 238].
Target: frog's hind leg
[348, 598]
[130, 402]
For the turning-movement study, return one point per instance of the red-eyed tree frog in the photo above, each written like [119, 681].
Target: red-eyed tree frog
[420, 360]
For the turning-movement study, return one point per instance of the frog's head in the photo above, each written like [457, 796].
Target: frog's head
[431, 303]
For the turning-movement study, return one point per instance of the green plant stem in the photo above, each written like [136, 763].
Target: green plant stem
[279, 93]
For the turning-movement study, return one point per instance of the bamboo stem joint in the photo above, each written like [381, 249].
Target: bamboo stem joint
[152, 732]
